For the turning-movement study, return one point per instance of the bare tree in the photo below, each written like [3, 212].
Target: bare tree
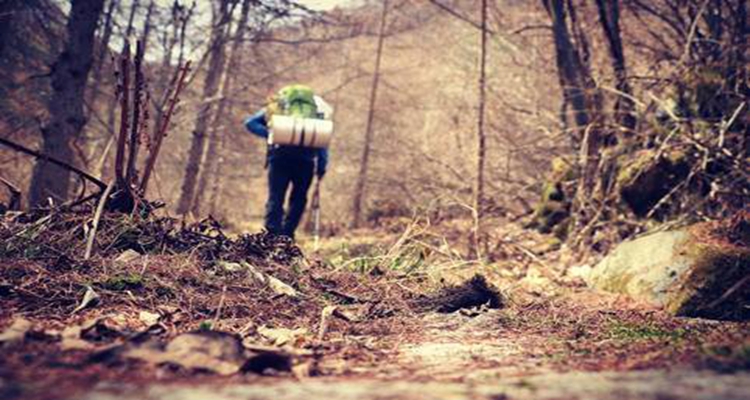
[579, 89]
[216, 65]
[479, 203]
[215, 157]
[609, 18]
[173, 36]
[69, 75]
[103, 44]
[359, 190]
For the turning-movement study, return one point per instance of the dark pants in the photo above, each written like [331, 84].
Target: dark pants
[281, 174]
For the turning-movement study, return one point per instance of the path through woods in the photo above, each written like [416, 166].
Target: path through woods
[459, 356]
[389, 337]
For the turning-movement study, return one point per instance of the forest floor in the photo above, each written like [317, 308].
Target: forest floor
[194, 315]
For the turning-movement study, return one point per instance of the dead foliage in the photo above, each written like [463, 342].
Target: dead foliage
[189, 273]
[584, 332]
[156, 293]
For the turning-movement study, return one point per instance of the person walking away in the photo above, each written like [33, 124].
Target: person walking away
[293, 160]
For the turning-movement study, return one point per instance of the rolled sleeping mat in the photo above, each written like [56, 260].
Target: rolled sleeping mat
[303, 132]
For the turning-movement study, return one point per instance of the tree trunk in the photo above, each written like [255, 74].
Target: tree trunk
[571, 71]
[131, 18]
[580, 93]
[101, 58]
[179, 22]
[479, 203]
[215, 158]
[609, 18]
[69, 74]
[148, 24]
[359, 190]
[198, 143]
[112, 107]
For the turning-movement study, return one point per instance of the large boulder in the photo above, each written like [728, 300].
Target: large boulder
[686, 272]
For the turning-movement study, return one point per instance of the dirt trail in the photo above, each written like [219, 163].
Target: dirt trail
[542, 351]
[648, 385]
[459, 356]
[545, 338]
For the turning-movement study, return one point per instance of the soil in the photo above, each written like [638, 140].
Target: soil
[374, 333]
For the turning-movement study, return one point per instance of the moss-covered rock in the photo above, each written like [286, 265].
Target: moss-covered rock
[680, 271]
[552, 212]
[647, 177]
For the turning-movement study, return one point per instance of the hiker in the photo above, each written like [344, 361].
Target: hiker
[297, 158]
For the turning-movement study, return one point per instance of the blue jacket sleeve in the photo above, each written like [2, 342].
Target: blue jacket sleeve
[257, 124]
[322, 162]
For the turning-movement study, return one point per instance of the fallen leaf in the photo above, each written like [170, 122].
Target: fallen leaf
[283, 336]
[230, 266]
[281, 287]
[148, 318]
[275, 284]
[128, 256]
[71, 339]
[93, 332]
[88, 299]
[219, 352]
[325, 316]
[16, 332]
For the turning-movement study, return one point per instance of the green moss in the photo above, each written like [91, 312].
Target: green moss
[563, 169]
[629, 332]
[715, 271]
[552, 212]
[641, 161]
[122, 282]
[205, 326]
[617, 283]
[677, 156]
[552, 208]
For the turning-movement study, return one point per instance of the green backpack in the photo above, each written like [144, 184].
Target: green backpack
[293, 100]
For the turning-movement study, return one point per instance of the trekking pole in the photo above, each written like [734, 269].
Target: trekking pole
[316, 215]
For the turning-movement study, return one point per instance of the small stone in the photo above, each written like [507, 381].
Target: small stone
[127, 256]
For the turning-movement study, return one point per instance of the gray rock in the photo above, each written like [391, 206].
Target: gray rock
[680, 272]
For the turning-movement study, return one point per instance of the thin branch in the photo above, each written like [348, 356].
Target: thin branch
[45, 157]
[460, 16]
[97, 218]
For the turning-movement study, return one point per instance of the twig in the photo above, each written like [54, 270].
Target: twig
[164, 125]
[669, 194]
[729, 292]
[138, 88]
[97, 218]
[692, 32]
[217, 317]
[728, 124]
[45, 157]
[325, 316]
[124, 114]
